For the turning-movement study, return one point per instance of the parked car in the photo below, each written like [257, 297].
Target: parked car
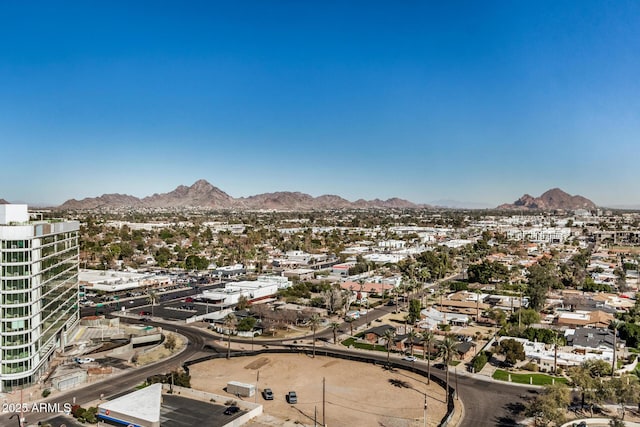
[267, 394]
[292, 397]
[231, 410]
[410, 358]
[84, 360]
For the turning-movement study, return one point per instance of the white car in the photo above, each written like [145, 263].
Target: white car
[410, 358]
[84, 360]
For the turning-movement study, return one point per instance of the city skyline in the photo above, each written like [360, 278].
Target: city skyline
[479, 103]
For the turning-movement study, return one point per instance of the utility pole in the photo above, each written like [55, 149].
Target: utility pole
[323, 401]
[257, 380]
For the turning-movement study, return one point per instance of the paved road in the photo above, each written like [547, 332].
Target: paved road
[117, 384]
[486, 403]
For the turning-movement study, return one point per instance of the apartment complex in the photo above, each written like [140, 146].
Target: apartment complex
[39, 262]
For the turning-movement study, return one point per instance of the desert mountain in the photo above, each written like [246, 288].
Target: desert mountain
[203, 194]
[104, 201]
[551, 200]
[3, 202]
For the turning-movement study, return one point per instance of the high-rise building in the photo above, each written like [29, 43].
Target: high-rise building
[39, 263]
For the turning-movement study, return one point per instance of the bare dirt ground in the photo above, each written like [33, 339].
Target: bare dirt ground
[161, 352]
[356, 394]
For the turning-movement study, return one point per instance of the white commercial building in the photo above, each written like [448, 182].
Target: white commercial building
[39, 292]
[539, 234]
[116, 281]
[264, 287]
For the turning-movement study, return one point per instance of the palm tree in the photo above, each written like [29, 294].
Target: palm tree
[334, 328]
[314, 321]
[229, 322]
[152, 297]
[614, 324]
[448, 350]
[389, 335]
[396, 291]
[412, 335]
[427, 339]
[555, 340]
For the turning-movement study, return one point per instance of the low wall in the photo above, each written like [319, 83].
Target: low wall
[598, 422]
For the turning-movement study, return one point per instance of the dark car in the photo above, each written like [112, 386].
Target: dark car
[267, 393]
[292, 397]
[231, 410]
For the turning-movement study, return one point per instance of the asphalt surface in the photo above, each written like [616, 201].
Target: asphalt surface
[119, 383]
[486, 403]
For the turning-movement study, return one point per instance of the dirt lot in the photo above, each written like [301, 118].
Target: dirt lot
[357, 394]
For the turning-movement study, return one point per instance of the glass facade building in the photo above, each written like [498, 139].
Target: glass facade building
[39, 264]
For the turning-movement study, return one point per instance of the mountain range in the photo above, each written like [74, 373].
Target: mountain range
[203, 194]
[550, 200]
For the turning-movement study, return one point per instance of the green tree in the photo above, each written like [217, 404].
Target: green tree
[625, 390]
[414, 310]
[194, 262]
[170, 342]
[246, 324]
[630, 332]
[162, 257]
[479, 361]
[541, 278]
[597, 368]
[588, 387]
[525, 316]
[498, 316]
[487, 272]
[513, 351]
[550, 405]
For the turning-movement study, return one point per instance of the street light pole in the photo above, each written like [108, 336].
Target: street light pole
[425, 410]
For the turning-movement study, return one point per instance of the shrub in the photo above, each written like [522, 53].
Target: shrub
[479, 361]
[531, 367]
[170, 342]
[46, 392]
[78, 412]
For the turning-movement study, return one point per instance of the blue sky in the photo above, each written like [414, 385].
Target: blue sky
[473, 101]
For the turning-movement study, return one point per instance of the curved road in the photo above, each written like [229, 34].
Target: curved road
[116, 384]
[486, 403]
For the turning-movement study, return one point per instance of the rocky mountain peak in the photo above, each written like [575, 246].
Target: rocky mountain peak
[553, 199]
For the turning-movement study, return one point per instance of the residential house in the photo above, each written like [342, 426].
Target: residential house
[582, 318]
[375, 335]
